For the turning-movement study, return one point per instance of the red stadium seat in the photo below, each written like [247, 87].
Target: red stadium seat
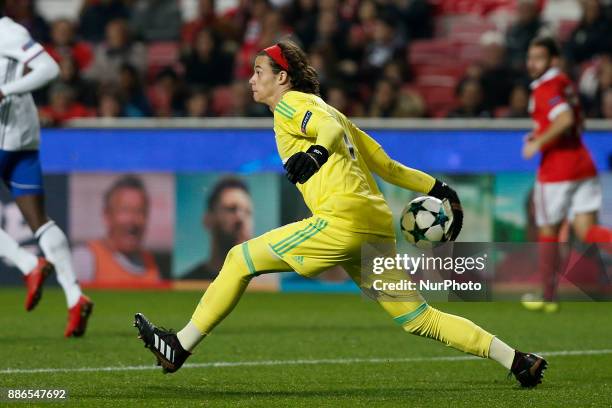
[456, 70]
[565, 29]
[469, 29]
[470, 53]
[501, 111]
[438, 99]
[438, 51]
[160, 55]
[436, 80]
[482, 7]
[222, 100]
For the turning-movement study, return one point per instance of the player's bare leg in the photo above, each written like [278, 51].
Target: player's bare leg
[35, 270]
[242, 263]
[549, 263]
[32, 208]
[582, 224]
[587, 229]
[172, 349]
[54, 245]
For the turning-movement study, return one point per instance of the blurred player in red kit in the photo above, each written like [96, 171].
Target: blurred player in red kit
[567, 186]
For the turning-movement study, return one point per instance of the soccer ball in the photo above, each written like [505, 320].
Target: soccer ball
[425, 222]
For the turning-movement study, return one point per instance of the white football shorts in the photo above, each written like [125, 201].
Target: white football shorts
[557, 201]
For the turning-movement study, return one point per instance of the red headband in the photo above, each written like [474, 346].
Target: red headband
[276, 54]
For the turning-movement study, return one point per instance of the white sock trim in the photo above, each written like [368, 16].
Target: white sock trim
[190, 336]
[13, 252]
[44, 228]
[501, 352]
[56, 248]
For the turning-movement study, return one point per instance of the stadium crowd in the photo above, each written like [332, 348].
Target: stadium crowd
[376, 58]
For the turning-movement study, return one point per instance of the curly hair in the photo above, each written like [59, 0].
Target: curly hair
[303, 77]
[549, 43]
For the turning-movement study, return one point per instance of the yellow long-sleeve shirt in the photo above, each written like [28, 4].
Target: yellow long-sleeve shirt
[344, 187]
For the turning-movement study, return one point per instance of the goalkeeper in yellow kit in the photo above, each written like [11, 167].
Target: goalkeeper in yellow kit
[331, 163]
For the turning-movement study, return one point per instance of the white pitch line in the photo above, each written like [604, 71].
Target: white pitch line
[265, 363]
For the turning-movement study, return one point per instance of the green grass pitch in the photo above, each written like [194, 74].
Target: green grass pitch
[300, 350]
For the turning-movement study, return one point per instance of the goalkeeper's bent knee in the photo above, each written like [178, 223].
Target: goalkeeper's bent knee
[454, 331]
[224, 292]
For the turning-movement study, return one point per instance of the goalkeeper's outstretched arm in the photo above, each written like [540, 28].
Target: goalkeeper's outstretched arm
[390, 170]
[396, 173]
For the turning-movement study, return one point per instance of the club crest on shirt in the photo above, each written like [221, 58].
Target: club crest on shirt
[554, 101]
[28, 45]
[307, 117]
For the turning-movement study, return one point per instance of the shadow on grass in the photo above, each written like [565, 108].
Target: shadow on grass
[429, 390]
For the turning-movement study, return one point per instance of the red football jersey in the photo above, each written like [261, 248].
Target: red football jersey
[565, 158]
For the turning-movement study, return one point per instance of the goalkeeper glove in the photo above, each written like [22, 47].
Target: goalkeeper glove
[451, 203]
[303, 165]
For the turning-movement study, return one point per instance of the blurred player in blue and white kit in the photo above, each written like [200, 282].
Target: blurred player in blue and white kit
[25, 67]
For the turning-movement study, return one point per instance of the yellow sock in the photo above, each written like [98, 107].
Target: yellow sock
[454, 331]
[224, 293]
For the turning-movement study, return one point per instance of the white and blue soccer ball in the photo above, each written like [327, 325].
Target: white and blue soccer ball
[425, 222]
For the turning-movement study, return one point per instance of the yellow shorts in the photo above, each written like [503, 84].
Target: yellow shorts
[316, 244]
[309, 247]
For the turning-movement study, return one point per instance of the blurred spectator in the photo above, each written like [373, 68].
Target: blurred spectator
[384, 101]
[592, 36]
[396, 72]
[24, 13]
[606, 104]
[242, 103]
[322, 59]
[264, 28]
[385, 45]
[62, 106]
[302, 16]
[595, 77]
[70, 75]
[156, 20]
[85, 90]
[337, 96]
[348, 10]
[604, 77]
[234, 20]
[409, 105]
[471, 98]
[497, 77]
[588, 82]
[273, 29]
[519, 102]
[350, 54]
[130, 88]
[249, 42]
[109, 105]
[354, 43]
[207, 64]
[415, 17]
[118, 49]
[329, 30]
[165, 95]
[205, 19]
[64, 44]
[96, 14]
[329, 5]
[367, 15]
[197, 104]
[520, 34]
